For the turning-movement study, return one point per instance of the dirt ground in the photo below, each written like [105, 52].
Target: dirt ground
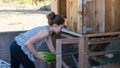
[21, 17]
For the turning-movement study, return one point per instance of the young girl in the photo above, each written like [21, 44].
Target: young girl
[23, 49]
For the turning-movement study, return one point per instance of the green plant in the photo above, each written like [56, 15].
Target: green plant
[49, 57]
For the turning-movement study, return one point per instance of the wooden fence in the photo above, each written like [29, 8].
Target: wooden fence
[84, 52]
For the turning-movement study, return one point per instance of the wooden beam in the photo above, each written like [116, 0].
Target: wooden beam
[70, 40]
[103, 52]
[109, 66]
[102, 34]
[104, 40]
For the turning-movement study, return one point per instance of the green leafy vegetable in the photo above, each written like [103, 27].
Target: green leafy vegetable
[49, 57]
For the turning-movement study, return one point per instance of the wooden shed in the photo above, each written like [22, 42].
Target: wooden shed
[97, 21]
[90, 16]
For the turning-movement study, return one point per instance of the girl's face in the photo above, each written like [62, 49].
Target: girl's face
[58, 28]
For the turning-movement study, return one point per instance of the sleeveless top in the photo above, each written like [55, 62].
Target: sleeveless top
[24, 37]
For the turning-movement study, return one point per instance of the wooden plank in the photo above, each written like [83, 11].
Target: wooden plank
[62, 7]
[100, 15]
[68, 14]
[87, 16]
[93, 24]
[112, 15]
[109, 16]
[83, 57]
[75, 15]
[102, 34]
[89, 19]
[117, 15]
[80, 17]
[104, 40]
[57, 6]
[86, 50]
[81, 53]
[58, 54]
[94, 16]
[109, 66]
[103, 52]
[72, 15]
[70, 40]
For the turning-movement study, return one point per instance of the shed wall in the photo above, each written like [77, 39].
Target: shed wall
[112, 15]
[72, 14]
[98, 16]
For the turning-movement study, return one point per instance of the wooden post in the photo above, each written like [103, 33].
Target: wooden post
[58, 53]
[83, 50]
[86, 51]
[81, 53]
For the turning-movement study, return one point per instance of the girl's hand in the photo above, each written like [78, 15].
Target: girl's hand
[40, 57]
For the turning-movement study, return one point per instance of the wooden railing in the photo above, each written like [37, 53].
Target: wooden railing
[83, 45]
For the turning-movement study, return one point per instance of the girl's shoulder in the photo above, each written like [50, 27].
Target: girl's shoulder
[43, 27]
[39, 28]
[36, 30]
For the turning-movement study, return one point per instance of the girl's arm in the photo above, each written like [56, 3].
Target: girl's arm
[52, 49]
[30, 43]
